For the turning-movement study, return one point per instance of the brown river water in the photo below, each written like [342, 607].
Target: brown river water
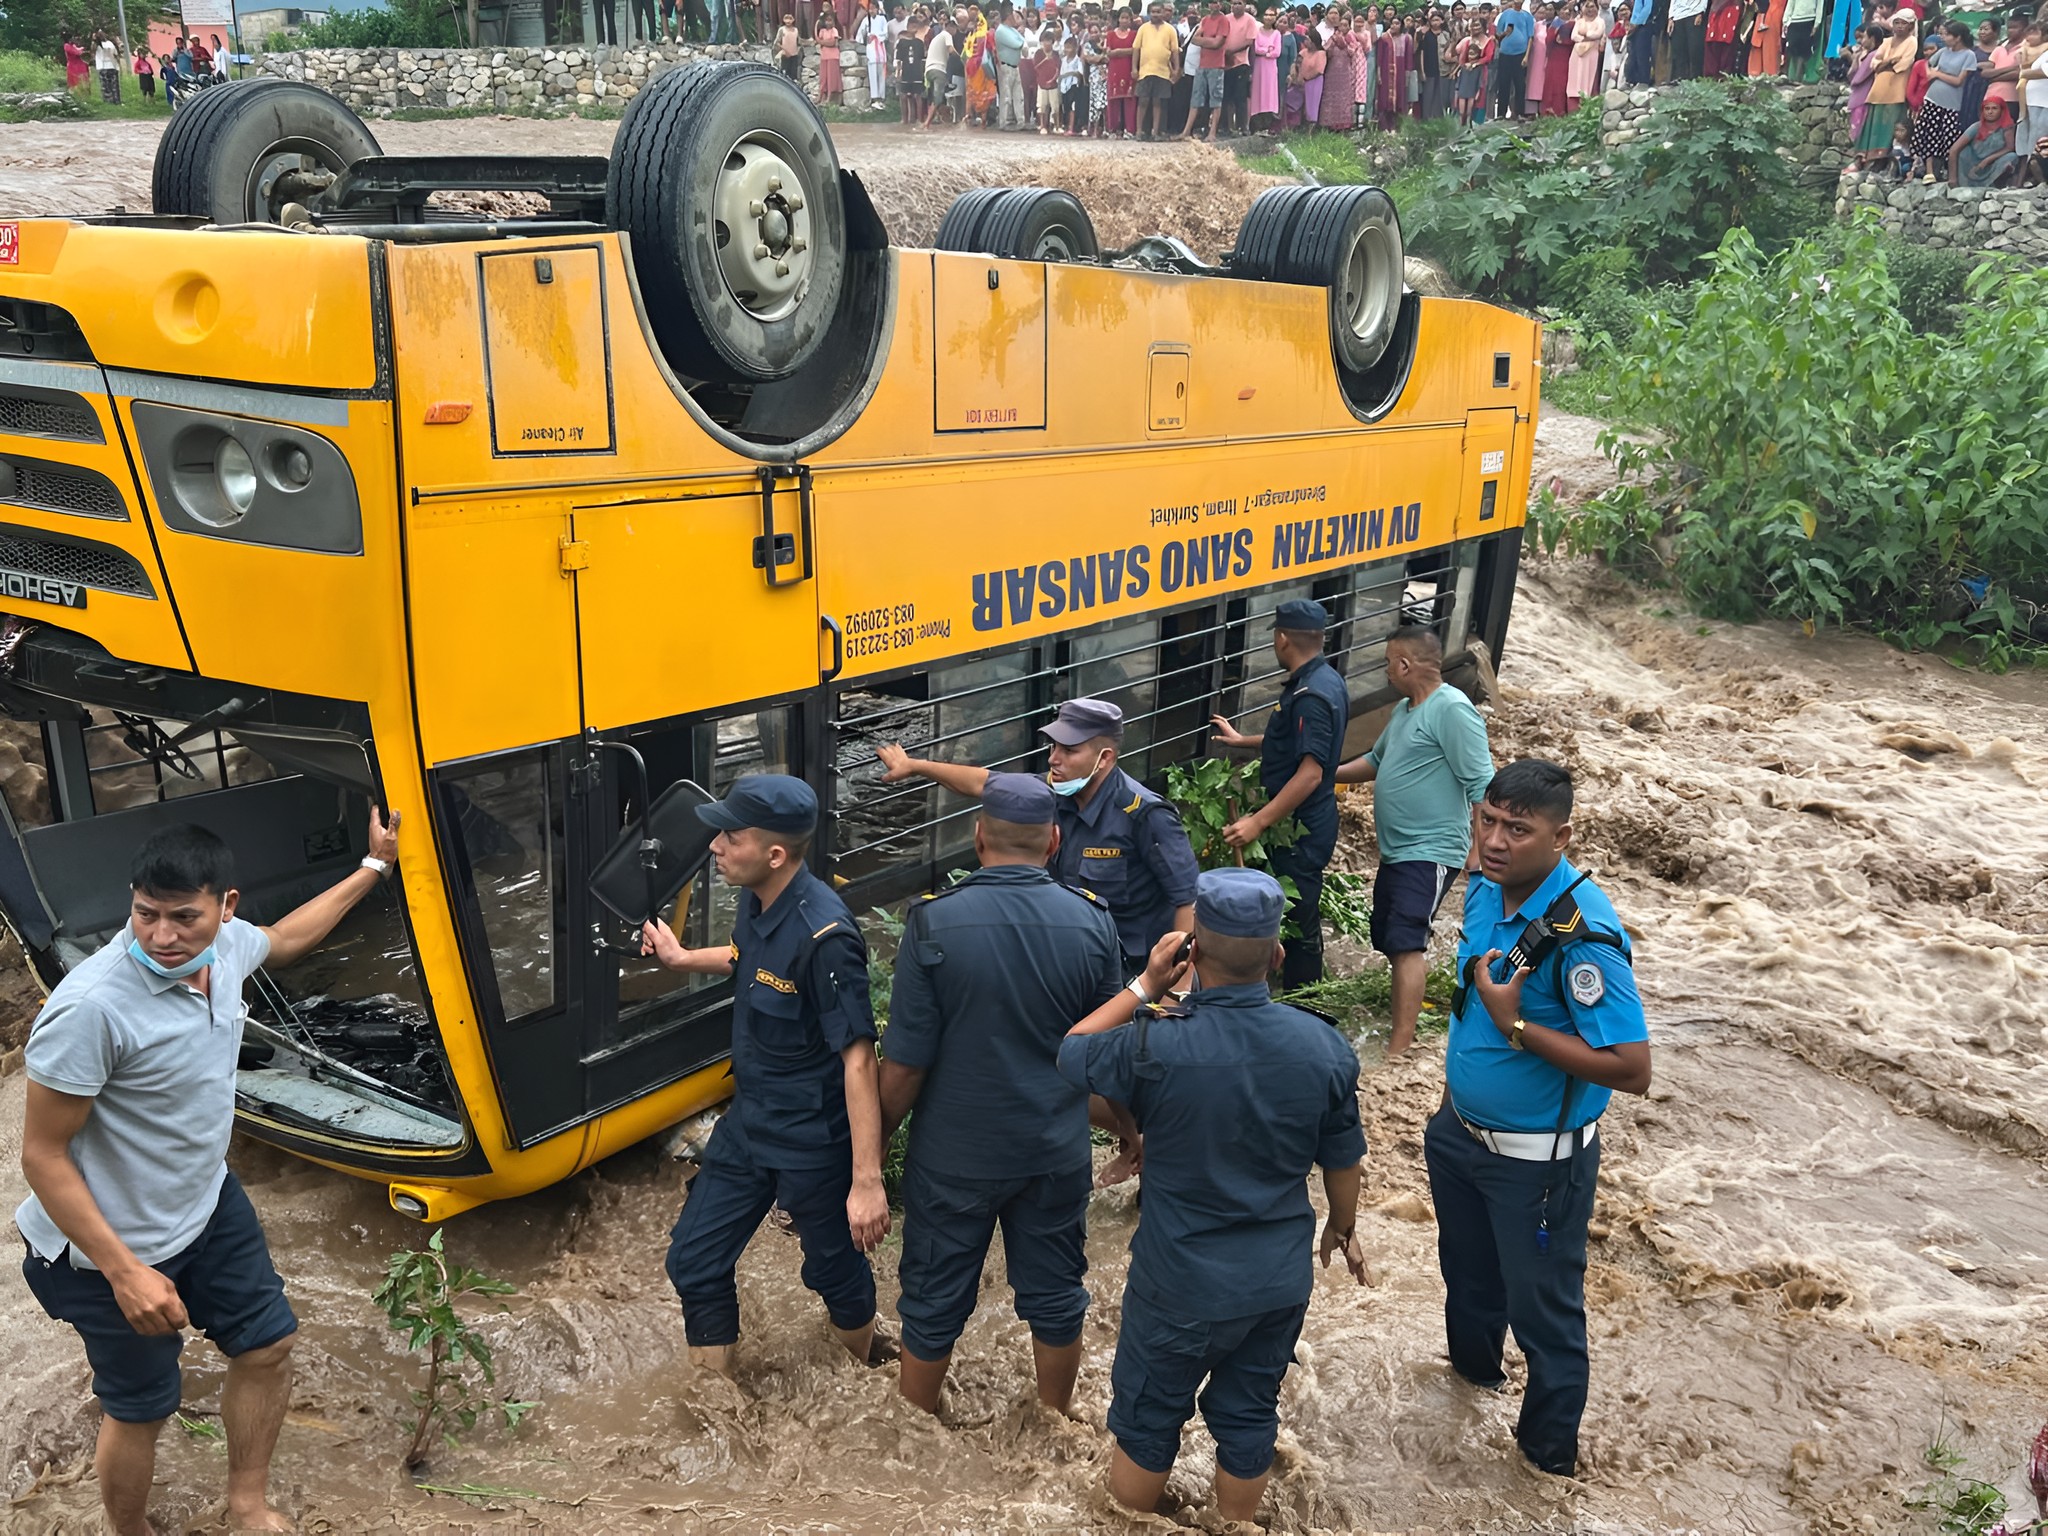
[1821, 1242]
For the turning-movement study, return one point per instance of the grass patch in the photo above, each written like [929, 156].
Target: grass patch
[1329, 157]
[1363, 1003]
[1961, 1505]
[28, 72]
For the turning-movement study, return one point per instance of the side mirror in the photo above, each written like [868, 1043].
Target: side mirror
[641, 873]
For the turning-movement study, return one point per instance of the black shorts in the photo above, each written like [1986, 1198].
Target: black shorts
[1405, 898]
[1237, 84]
[1154, 88]
[1799, 39]
[230, 1290]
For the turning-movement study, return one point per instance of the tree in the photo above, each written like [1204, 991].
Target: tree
[35, 26]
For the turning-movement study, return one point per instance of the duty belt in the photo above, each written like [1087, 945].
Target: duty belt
[1532, 1146]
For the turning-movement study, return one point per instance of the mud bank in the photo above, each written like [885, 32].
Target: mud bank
[1821, 1237]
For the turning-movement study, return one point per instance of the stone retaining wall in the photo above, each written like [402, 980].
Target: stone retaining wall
[1953, 218]
[379, 81]
[1822, 111]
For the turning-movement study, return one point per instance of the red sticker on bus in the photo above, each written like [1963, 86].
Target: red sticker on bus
[10, 245]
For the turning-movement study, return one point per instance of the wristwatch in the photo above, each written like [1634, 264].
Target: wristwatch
[1136, 987]
[382, 867]
[1515, 1035]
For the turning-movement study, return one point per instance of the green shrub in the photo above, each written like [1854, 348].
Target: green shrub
[397, 24]
[1932, 284]
[1822, 461]
[1510, 206]
[29, 72]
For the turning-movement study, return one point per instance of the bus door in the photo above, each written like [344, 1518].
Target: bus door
[690, 599]
[1489, 452]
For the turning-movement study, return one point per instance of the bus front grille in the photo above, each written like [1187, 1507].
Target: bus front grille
[80, 562]
[59, 488]
[26, 411]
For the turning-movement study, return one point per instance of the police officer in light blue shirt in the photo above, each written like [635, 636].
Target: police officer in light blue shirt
[1298, 759]
[990, 975]
[805, 1127]
[1546, 1025]
[1238, 1097]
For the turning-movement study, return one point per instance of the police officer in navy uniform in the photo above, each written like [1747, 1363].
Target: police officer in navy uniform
[1117, 838]
[804, 1130]
[1546, 1025]
[1298, 760]
[990, 975]
[1239, 1097]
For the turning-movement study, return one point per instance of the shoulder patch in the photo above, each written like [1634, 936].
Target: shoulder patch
[826, 929]
[1081, 890]
[1136, 801]
[1587, 985]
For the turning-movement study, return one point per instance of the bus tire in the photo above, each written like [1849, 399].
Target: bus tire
[1349, 240]
[1262, 237]
[1039, 224]
[727, 184]
[223, 153]
[960, 229]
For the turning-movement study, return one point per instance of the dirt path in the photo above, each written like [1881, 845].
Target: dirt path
[1821, 1239]
[1130, 189]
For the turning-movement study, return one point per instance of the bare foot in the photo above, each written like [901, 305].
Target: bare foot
[264, 1519]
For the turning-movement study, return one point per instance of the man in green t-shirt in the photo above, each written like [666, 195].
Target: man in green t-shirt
[1428, 769]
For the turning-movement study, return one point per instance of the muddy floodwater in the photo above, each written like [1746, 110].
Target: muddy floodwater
[1821, 1241]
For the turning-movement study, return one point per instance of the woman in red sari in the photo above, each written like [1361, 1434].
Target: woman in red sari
[1559, 68]
[1392, 51]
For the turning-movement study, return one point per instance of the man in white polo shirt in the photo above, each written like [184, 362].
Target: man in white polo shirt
[134, 1226]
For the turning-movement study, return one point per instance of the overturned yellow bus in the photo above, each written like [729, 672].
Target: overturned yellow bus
[314, 495]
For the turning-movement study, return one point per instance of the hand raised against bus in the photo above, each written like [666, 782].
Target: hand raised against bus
[658, 940]
[1229, 735]
[896, 763]
[148, 1300]
[1503, 999]
[383, 836]
[867, 1214]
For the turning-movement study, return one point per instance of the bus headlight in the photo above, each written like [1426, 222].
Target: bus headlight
[236, 473]
[275, 483]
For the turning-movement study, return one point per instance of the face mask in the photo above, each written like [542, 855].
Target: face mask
[198, 963]
[1072, 787]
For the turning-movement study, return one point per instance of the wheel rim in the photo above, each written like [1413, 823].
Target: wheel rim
[762, 212]
[264, 197]
[1056, 243]
[1368, 297]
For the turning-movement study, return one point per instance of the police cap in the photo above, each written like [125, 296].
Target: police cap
[1082, 720]
[1298, 613]
[1021, 798]
[1239, 903]
[774, 802]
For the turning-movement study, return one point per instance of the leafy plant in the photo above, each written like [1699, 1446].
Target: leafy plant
[419, 1294]
[1823, 462]
[1347, 905]
[1364, 1000]
[1213, 793]
[1961, 1505]
[1538, 212]
[395, 24]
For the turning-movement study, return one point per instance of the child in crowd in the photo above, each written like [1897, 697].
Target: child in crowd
[910, 55]
[789, 49]
[829, 83]
[1073, 88]
[1095, 54]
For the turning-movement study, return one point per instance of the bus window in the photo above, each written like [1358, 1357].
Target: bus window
[714, 753]
[1262, 678]
[1120, 663]
[508, 816]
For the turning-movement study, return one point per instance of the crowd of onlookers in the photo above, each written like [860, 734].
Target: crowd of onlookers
[191, 66]
[1936, 101]
[1949, 102]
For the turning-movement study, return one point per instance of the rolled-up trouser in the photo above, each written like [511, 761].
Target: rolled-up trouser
[1163, 1359]
[725, 1206]
[947, 1225]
